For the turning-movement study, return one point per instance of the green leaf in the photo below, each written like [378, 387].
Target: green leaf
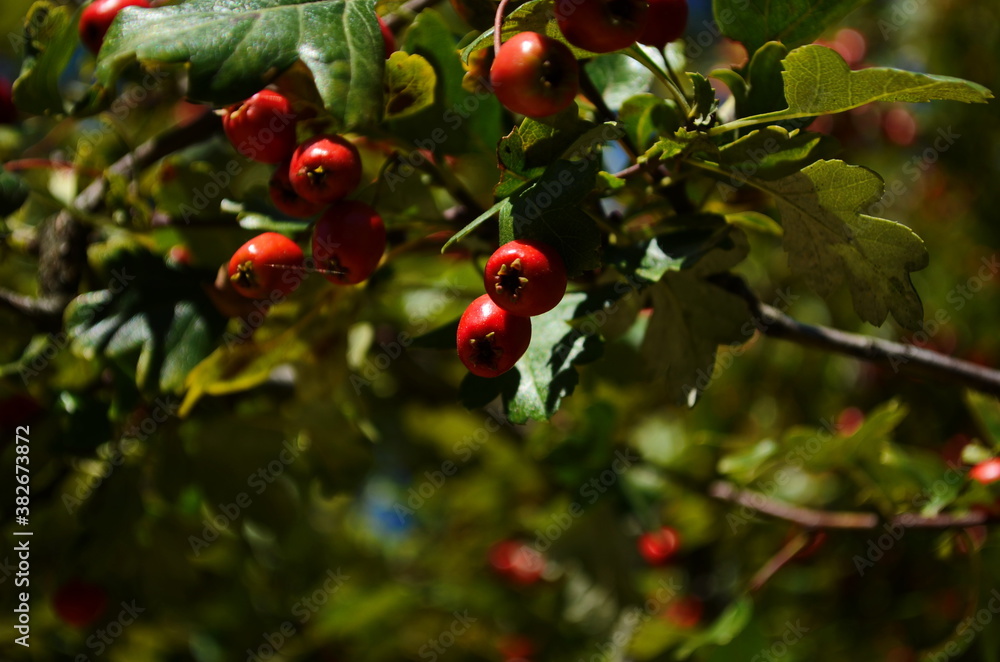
[459, 121]
[829, 239]
[50, 39]
[724, 629]
[745, 464]
[705, 102]
[156, 323]
[680, 249]
[843, 89]
[792, 22]
[546, 373]
[772, 153]
[752, 220]
[691, 318]
[233, 48]
[765, 83]
[549, 211]
[498, 208]
[532, 16]
[409, 85]
[667, 147]
[986, 410]
[618, 77]
[525, 153]
[13, 193]
[645, 117]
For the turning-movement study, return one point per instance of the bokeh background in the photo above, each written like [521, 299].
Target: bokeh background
[299, 514]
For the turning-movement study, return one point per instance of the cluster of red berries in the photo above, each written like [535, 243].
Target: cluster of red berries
[536, 75]
[523, 278]
[348, 239]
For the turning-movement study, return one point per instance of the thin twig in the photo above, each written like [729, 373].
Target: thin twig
[825, 519]
[778, 561]
[398, 19]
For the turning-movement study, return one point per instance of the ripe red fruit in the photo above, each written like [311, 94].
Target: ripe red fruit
[348, 242]
[325, 169]
[262, 128]
[491, 340]
[664, 23]
[97, 18]
[601, 26]
[79, 603]
[535, 75]
[850, 421]
[286, 199]
[525, 277]
[267, 266]
[685, 612]
[657, 547]
[986, 472]
[387, 37]
[517, 561]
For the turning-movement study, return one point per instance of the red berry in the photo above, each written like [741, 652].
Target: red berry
[535, 75]
[685, 612]
[850, 421]
[657, 547]
[986, 472]
[491, 340]
[79, 603]
[267, 266]
[97, 18]
[348, 242]
[8, 111]
[665, 22]
[525, 277]
[601, 26]
[325, 169]
[286, 199]
[262, 128]
[517, 561]
[387, 37]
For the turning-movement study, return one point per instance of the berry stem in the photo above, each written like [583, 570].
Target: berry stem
[642, 58]
[498, 26]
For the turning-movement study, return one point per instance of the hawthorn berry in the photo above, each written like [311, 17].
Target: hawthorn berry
[286, 199]
[348, 242]
[268, 265]
[490, 339]
[525, 277]
[325, 169]
[518, 562]
[601, 26]
[262, 128]
[535, 75]
[79, 603]
[986, 472]
[685, 612]
[97, 18]
[658, 547]
[665, 22]
[387, 37]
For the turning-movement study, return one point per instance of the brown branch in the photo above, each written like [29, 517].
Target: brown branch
[778, 561]
[398, 19]
[811, 518]
[899, 356]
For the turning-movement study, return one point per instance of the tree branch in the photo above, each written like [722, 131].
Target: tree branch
[398, 19]
[772, 322]
[811, 518]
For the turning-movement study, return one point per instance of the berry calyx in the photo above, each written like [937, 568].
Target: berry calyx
[348, 242]
[325, 169]
[490, 339]
[262, 128]
[986, 472]
[535, 75]
[97, 18]
[601, 26]
[286, 199]
[79, 603]
[665, 22]
[267, 266]
[658, 547]
[525, 277]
